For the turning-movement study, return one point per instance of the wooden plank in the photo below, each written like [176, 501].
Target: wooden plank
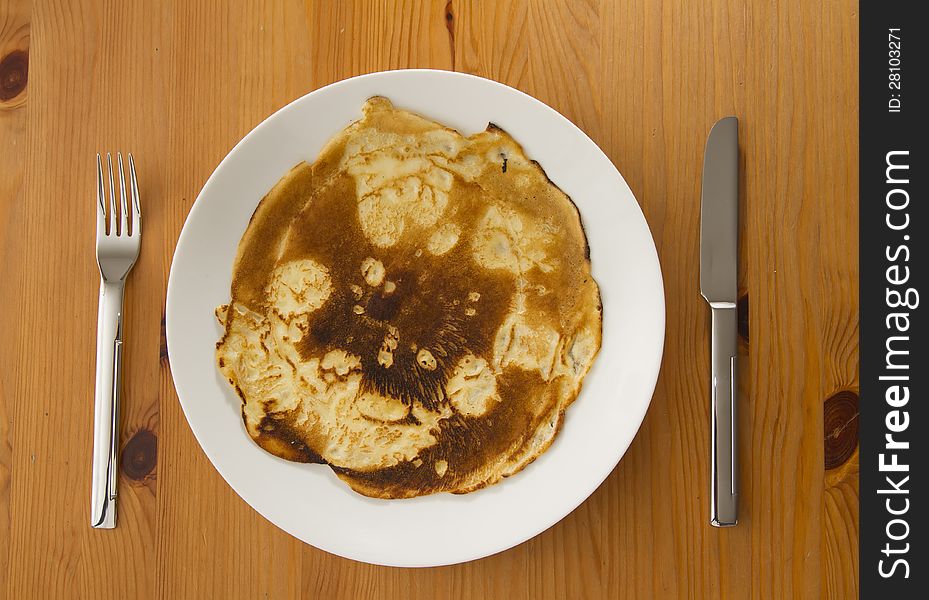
[352, 38]
[52, 548]
[14, 77]
[839, 311]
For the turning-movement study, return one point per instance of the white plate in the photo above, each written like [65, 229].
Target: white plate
[308, 501]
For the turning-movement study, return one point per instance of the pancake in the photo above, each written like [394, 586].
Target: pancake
[415, 309]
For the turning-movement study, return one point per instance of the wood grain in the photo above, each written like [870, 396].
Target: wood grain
[14, 76]
[178, 83]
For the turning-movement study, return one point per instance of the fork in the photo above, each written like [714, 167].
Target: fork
[119, 237]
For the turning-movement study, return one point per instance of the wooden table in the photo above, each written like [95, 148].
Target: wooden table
[179, 82]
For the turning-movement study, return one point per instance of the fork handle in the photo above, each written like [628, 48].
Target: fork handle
[106, 405]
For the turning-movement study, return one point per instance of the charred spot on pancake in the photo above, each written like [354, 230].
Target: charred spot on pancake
[414, 309]
[283, 440]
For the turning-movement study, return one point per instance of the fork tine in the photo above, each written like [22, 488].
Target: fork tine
[123, 202]
[134, 190]
[111, 219]
[101, 198]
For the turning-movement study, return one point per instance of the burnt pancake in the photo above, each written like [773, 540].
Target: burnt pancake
[415, 309]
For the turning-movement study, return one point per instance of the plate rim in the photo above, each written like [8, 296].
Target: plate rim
[652, 367]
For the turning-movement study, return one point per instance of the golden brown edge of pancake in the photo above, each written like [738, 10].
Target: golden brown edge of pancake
[283, 448]
[373, 492]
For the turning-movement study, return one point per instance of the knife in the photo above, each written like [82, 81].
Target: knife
[719, 223]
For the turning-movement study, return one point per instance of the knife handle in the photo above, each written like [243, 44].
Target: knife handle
[724, 495]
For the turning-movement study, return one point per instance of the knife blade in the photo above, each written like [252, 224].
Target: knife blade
[719, 225]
